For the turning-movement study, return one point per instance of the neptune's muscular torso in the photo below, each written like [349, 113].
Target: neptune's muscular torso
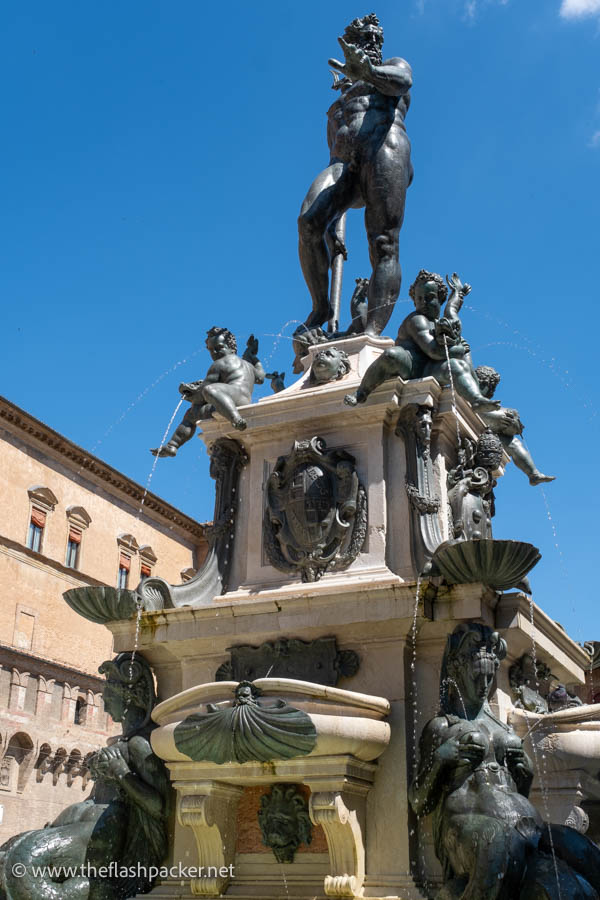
[363, 113]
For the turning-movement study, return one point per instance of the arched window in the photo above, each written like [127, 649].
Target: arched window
[20, 748]
[80, 711]
[43, 761]
[74, 766]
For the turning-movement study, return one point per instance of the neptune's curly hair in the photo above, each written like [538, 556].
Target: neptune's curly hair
[353, 31]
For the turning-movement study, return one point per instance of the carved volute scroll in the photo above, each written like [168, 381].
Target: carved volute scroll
[345, 841]
[210, 811]
[227, 459]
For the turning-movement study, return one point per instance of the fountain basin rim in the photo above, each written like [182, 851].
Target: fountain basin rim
[215, 691]
[499, 563]
[586, 715]
[336, 736]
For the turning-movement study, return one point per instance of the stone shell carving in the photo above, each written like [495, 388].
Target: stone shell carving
[246, 731]
[316, 511]
[103, 603]
[500, 564]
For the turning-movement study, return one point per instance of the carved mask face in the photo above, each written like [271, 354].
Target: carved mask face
[424, 425]
[284, 822]
[328, 365]
[244, 694]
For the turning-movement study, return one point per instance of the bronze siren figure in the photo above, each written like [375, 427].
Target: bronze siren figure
[474, 777]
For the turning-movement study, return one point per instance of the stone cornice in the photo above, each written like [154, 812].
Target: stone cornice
[26, 661]
[32, 431]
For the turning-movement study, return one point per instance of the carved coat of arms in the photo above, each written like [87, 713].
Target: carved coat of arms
[316, 511]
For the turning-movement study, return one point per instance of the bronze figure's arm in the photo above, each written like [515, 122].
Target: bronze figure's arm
[393, 78]
[251, 356]
[111, 766]
[426, 340]
[424, 793]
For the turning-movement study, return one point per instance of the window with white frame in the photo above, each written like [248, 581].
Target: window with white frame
[73, 544]
[35, 533]
[42, 502]
[124, 569]
[78, 520]
[128, 547]
[147, 561]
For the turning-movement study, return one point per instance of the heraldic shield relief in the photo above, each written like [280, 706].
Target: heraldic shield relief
[316, 511]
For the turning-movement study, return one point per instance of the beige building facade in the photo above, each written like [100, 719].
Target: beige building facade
[66, 520]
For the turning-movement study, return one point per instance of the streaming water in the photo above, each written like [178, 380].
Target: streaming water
[128, 409]
[421, 864]
[136, 638]
[454, 408]
[279, 336]
[533, 349]
[156, 458]
[285, 884]
[561, 558]
[138, 600]
[413, 674]
[542, 770]
[413, 664]
[458, 691]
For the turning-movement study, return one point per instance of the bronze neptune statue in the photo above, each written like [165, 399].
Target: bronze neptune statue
[123, 822]
[474, 776]
[369, 167]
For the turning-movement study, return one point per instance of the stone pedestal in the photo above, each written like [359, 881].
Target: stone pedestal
[376, 847]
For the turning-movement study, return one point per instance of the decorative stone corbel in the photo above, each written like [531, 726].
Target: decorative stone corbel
[344, 841]
[210, 811]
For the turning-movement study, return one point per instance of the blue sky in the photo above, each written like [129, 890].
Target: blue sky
[155, 157]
